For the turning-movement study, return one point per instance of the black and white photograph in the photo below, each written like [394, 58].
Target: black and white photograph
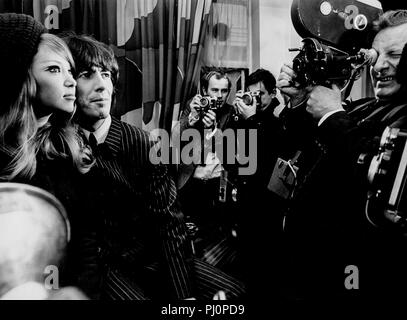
[203, 159]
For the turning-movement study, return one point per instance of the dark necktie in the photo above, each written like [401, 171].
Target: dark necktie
[93, 142]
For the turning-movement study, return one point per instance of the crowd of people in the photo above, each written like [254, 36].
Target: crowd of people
[121, 228]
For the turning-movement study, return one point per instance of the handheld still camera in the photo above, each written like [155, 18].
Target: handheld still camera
[334, 33]
[209, 103]
[248, 98]
[387, 177]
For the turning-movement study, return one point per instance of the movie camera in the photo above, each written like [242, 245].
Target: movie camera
[334, 34]
[319, 64]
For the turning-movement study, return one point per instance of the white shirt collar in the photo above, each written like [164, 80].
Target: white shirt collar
[101, 133]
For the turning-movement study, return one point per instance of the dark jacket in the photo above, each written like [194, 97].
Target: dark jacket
[185, 171]
[325, 226]
[134, 225]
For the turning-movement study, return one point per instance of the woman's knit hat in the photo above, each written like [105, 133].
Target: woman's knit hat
[19, 39]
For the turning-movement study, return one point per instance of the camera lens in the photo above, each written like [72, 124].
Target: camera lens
[247, 99]
[204, 102]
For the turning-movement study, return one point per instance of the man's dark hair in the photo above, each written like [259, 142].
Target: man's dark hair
[390, 18]
[88, 53]
[218, 75]
[264, 76]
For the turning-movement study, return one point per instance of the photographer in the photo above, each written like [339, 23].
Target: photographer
[199, 182]
[253, 190]
[259, 114]
[325, 226]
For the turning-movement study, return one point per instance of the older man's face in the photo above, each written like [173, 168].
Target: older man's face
[389, 44]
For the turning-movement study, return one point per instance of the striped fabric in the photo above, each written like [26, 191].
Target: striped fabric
[220, 253]
[128, 155]
[120, 287]
[129, 147]
[209, 280]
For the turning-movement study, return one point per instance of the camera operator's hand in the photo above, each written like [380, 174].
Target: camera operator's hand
[289, 87]
[322, 100]
[209, 119]
[193, 117]
[246, 111]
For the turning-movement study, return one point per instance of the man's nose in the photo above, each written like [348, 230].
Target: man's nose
[100, 84]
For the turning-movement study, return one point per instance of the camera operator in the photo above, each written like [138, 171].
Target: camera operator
[199, 182]
[265, 225]
[325, 226]
[259, 114]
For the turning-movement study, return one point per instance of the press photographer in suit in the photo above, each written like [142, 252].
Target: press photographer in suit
[199, 181]
[255, 111]
[325, 226]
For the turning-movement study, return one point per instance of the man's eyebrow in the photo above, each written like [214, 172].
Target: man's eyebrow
[393, 47]
[86, 70]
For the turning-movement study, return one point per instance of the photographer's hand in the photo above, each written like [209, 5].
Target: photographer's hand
[209, 119]
[322, 100]
[193, 117]
[289, 87]
[246, 111]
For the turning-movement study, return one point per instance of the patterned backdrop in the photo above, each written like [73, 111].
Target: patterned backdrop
[158, 43]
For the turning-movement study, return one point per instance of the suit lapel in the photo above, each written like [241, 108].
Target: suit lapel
[114, 137]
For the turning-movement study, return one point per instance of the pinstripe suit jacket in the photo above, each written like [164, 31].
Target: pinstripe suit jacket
[140, 210]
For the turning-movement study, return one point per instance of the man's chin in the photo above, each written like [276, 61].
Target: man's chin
[387, 93]
[103, 115]
[384, 94]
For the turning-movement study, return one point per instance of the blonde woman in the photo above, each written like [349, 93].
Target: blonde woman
[38, 99]
[38, 143]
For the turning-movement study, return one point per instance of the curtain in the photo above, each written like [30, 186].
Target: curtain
[159, 45]
[164, 39]
[229, 35]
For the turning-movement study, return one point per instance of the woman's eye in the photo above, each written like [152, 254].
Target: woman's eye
[54, 69]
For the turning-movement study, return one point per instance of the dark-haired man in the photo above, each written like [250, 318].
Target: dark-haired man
[137, 230]
[254, 190]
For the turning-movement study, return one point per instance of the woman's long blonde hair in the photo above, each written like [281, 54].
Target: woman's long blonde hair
[21, 139]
